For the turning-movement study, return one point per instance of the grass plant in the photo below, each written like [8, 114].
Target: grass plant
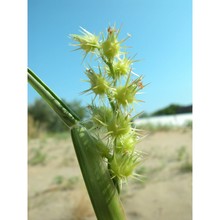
[38, 157]
[106, 150]
[184, 158]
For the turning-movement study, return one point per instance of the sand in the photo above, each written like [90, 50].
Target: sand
[56, 190]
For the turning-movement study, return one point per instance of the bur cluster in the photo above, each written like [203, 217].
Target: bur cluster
[115, 86]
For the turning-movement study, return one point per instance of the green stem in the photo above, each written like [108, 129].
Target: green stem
[102, 192]
[111, 102]
[114, 109]
[68, 116]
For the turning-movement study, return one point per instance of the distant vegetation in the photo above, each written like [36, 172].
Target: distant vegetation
[42, 118]
[173, 109]
[170, 110]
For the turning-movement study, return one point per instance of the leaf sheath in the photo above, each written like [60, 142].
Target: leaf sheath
[102, 192]
[68, 116]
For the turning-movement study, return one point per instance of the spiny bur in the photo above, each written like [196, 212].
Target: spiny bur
[114, 97]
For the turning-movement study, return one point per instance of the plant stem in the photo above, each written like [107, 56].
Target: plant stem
[69, 117]
[102, 192]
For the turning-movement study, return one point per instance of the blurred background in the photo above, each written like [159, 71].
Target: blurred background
[163, 190]
[161, 38]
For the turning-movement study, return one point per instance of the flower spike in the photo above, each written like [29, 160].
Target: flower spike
[111, 118]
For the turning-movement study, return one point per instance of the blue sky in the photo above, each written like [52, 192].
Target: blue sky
[161, 39]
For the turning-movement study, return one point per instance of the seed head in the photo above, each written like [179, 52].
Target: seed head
[110, 117]
[101, 115]
[87, 42]
[103, 148]
[111, 46]
[125, 95]
[119, 125]
[98, 83]
[122, 67]
[126, 143]
[123, 165]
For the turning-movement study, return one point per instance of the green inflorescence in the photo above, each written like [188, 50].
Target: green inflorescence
[115, 87]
